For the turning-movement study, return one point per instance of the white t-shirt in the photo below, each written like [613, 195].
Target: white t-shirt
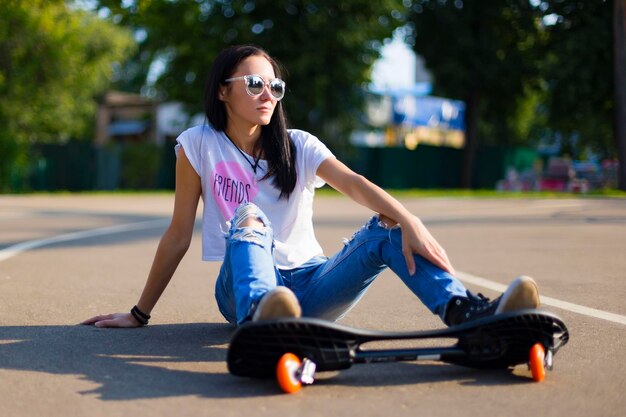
[228, 180]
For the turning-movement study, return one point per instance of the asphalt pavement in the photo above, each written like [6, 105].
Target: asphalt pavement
[64, 258]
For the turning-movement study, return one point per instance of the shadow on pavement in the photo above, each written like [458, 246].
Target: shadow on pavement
[172, 360]
[157, 361]
[408, 373]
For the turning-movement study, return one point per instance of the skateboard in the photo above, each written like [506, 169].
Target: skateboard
[292, 350]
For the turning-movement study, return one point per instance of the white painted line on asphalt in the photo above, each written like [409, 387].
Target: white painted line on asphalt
[18, 248]
[563, 305]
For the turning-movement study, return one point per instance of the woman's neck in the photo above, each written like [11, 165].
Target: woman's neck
[244, 138]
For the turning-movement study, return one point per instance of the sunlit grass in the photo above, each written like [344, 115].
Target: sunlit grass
[462, 193]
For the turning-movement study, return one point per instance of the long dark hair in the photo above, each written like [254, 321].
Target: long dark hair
[278, 149]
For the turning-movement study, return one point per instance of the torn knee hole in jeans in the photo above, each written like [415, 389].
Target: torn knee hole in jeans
[384, 225]
[372, 224]
[247, 235]
[347, 241]
[249, 212]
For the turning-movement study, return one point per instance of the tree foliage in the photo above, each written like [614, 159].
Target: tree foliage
[53, 61]
[485, 53]
[619, 80]
[527, 69]
[327, 47]
[578, 68]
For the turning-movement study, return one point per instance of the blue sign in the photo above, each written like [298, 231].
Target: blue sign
[433, 112]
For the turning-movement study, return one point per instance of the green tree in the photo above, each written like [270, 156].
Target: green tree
[578, 71]
[485, 53]
[586, 75]
[619, 77]
[53, 63]
[327, 46]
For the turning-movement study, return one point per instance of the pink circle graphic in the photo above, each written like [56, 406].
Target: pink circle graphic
[232, 185]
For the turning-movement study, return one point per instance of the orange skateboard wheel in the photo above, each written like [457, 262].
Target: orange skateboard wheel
[537, 358]
[287, 373]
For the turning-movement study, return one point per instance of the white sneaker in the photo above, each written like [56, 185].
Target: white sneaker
[278, 303]
[521, 294]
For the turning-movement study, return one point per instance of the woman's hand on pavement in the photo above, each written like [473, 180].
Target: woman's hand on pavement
[113, 320]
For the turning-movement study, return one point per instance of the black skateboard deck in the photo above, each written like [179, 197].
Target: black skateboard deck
[495, 342]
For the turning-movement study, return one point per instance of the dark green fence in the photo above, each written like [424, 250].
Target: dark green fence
[62, 167]
[438, 167]
[79, 166]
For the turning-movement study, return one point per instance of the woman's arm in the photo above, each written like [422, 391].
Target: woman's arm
[416, 239]
[171, 249]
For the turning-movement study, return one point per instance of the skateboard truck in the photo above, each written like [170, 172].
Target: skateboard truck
[549, 360]
[306, 371]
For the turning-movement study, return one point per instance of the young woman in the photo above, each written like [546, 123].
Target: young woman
[257, 181]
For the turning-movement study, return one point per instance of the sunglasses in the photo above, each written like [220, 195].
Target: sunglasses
[255, 84]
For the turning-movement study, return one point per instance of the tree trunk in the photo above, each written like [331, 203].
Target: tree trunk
[478, 31]
[619, 76]
[471, 137]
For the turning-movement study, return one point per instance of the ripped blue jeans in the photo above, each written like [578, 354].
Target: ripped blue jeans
[326, 287]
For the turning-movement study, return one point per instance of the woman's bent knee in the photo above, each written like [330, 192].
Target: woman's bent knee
[250, 224]
[249, 215]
